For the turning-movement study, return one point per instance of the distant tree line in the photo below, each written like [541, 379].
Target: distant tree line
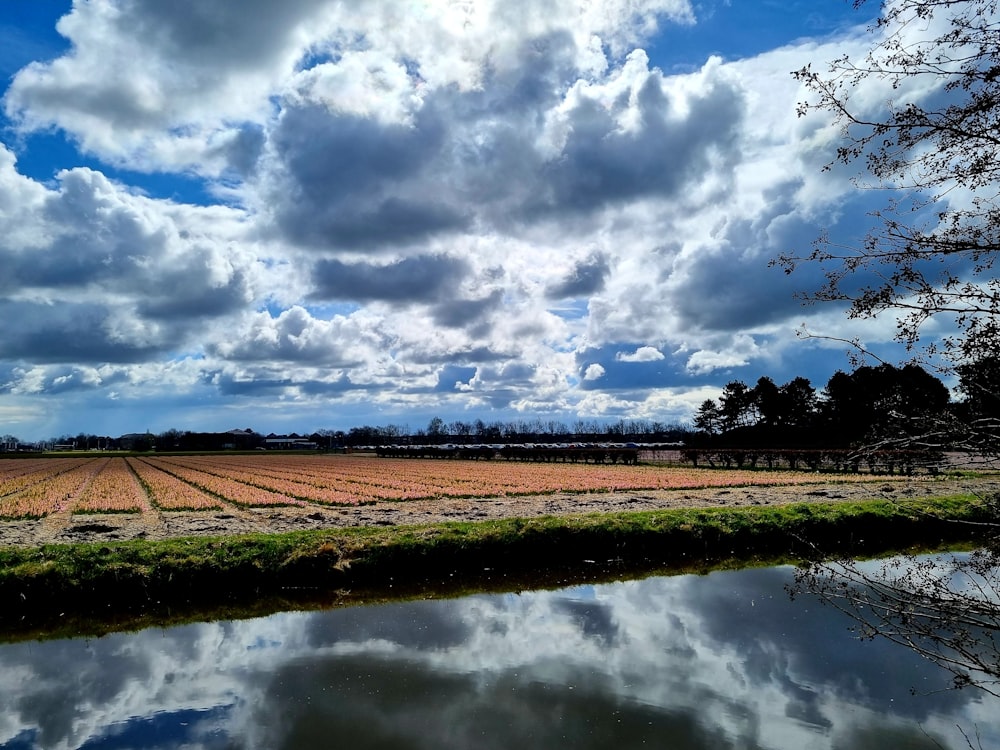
[439, 432]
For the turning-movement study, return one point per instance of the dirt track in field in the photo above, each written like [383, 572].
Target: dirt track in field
[67, 528]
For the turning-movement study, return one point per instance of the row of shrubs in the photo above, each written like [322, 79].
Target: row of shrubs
[547, 454]
[574, 455]
[834, 460]
[831, 460]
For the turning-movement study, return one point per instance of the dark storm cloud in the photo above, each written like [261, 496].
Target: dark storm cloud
[494, 158]
[243, 35]
[497, 130]
[229, 385]
[103, 242]
[595, 619]
[102, 669]
[345, 154]
[508, 375]
[732, 297]
[517, 372]
[418, 625]
[84, 333]
[268, 382]
[452, 374]
[422, 278]
[97, 235]
[602, 164]
[243, 150]
[351, 182]
[204, 42]
[181, 291]
[184, 295]
[462, 313]
[51, 268]
[735, 287]
[779, 637]
[114, 103]
[343, 384]
[587, 277]
[476, 354]
[261, 385]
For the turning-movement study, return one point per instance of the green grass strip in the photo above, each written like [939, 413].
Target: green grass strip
[131, 576]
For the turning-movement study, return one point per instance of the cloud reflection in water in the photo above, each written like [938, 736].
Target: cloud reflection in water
[717, 661]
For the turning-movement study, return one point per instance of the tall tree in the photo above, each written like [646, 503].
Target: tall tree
[979, 383]
[738, 406]
[935, 148]
[874, 404]
[436, 428]
[979, 410]
[798, 402]
[767, 396]
[708, 418]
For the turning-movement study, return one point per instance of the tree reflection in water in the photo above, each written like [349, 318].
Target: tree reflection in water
[946, 608]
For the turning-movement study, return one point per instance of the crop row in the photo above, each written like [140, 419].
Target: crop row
[284, 484]
[224, 487]
[20, 474]
[114, 488]
[53, 494]
[167, 492]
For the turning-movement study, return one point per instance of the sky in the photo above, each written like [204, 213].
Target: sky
[314, 215]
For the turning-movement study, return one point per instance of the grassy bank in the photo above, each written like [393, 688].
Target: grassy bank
[131, 581]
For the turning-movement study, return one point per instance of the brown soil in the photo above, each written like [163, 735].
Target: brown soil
[67, 528]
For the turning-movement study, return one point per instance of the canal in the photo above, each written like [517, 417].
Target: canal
[724, 660]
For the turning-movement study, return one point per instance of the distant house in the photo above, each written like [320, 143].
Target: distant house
[239, 439]
[289, 443]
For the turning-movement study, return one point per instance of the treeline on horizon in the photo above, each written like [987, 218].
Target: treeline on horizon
[437, 432]
[871, 404]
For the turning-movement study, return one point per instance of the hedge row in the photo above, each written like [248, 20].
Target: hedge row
[835, 460]
[516, 453]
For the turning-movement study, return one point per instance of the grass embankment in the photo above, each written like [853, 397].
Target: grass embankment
[140, 579]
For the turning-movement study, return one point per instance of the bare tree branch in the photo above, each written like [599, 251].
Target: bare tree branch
[931, 254]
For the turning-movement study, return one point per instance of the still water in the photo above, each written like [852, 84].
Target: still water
[725, 660]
